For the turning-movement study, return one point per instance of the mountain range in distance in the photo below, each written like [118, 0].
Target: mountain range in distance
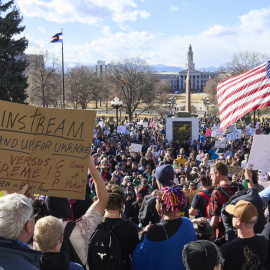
[160, 68]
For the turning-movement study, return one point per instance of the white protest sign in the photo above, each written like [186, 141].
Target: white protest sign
[134, 147]
[121, 129]
[232, 128]
[264, 176]
[217, 130]
[211, 162]
[127, 124]
[101, 124]
[238, 134]
[250, 131]
[145, 124]
[230, 137]
[259, 158]
[233, 136]
[220, 144]
[106, 132]
[213, 133]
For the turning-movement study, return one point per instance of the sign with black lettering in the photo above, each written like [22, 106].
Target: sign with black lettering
[46, 148]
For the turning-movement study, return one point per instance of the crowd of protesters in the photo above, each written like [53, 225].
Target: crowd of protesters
[171, 205]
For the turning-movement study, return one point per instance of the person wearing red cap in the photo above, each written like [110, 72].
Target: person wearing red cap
[248, 250]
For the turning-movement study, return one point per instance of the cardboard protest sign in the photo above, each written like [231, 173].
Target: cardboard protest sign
[121, 129]
[134, 147]
[46, 148]
[190, 195]
[259, 158]
[220, 144]
[235, 169]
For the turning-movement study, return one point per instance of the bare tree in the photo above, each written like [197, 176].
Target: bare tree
[44, 79]
[72, 79]
[82, 85]
[133, 81]
[244, 61]
[163, 87]
[211, 90]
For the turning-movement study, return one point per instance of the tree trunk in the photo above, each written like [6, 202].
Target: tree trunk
[130, 115]
[96, 103]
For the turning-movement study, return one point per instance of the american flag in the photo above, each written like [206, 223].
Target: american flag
[153, 123]
[243, 93]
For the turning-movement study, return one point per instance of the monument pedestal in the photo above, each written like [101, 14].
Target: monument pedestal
[182, 127]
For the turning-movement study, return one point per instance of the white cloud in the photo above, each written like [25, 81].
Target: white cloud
[110, 46]
[212, 47]
[41, 29]
[173, 8]
[89, 12]
[218, 30]
[124, 27]
[255, 21]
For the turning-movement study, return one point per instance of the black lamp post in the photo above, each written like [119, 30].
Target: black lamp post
[116, 103]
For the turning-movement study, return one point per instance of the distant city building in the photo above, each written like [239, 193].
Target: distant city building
[33, 60]
[101, 68]
[198, 79]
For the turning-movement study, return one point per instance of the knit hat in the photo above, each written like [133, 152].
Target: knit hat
[243, 210]
[200, 255]
[165, 175]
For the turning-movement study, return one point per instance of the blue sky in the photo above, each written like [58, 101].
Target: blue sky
[158, 31]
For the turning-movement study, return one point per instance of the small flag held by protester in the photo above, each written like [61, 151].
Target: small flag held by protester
[243, 93]
[57, 38]
[153, 123]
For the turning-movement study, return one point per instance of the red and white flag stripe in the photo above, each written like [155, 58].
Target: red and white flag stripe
[241, 94]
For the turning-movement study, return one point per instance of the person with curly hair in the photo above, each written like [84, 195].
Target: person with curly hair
[163, 242]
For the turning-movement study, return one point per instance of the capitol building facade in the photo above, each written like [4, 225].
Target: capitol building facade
[177, 79]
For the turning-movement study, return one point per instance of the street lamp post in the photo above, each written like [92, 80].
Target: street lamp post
[116, 103]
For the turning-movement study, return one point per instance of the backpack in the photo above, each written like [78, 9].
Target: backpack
[67, 246]
[207, 215]
[104, 251]
[148, 211]
[250, 195]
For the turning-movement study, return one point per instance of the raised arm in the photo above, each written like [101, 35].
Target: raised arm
[101, 190]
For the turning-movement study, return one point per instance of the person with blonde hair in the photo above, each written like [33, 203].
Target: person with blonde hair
[49, 237]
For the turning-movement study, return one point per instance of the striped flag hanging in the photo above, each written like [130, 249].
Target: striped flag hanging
[243, 93]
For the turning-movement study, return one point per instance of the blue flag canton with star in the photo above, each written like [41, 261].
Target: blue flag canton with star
[57, 38]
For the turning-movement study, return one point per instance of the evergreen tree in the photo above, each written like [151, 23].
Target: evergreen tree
[13, 81]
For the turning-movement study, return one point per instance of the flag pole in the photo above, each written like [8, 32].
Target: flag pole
[63, 74]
